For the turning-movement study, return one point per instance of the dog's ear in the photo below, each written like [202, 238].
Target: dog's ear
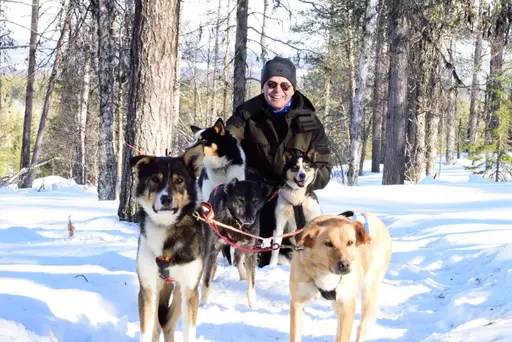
[230, 186]
[312, 155]
[362, 236]
[287, 155]
[137, 161]
[219, 127]
[193, 158]
[307, 238]
[195, 129]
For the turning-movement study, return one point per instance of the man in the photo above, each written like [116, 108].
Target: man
[280, 119]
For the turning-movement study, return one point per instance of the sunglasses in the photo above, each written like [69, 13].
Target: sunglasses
[285, 86]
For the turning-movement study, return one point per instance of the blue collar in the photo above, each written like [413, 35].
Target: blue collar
[282, 111]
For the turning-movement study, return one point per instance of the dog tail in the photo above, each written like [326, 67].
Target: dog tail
[348, 213]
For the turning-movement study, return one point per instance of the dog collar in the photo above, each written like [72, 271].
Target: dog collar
[329, 295]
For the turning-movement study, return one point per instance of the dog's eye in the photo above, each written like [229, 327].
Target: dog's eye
[206, 142]
[295, 168]
[329, 244]
[350, 243]
[178, 180]
[155, 179]
[306, 167]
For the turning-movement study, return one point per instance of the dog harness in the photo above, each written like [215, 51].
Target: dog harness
[163, 263]
[300, 218]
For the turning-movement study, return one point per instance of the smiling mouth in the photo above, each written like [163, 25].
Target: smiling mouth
[166, 209]
[300, 183]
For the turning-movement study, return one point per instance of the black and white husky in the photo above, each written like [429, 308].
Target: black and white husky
[296, 198]
[224, 158]
[237, 204]
[167, 194]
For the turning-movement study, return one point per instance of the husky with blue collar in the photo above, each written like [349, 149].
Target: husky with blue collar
[335, 258]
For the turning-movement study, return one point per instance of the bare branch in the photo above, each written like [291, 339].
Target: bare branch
[285, 43]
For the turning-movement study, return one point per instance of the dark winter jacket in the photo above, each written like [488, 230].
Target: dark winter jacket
[260, 130]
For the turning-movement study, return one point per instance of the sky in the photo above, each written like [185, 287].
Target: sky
[194, 14]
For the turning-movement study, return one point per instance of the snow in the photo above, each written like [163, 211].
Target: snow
[449, 277]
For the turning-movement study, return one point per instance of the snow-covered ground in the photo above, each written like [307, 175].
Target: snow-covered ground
[450, 276]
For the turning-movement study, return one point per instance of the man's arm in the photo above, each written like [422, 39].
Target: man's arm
[323, 156]
[236, 124]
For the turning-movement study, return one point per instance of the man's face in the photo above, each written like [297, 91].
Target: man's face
[278, 91]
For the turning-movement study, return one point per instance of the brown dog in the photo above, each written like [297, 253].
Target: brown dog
[339, 259]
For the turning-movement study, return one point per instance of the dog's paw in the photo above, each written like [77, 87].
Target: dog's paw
[251, 298]
[203, 302]
[273, 263]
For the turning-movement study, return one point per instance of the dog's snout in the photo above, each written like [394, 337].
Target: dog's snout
[301, 176]
[343, 266]
[166, 200]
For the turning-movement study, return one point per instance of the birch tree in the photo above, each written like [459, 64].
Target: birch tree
[357, 117]
[225, 76]
[477, 56]
[107, 172]
[65, 21]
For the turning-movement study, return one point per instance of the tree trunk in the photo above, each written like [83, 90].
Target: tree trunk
[450, 119]
[225, 77]
[66, 17]
[263, 38]
[394, 162]
[328, 68]
[349, 47]
[177, 90]
[432, 118]
[107, 166]
[154, 48]
[209, 96]
[473, 108]
[413, 111]
[216, 63]
[459, 137]
[366, 135]
[377, 114]
[495, 89]
[357, 115]
[422, 101]
[239, 83]
[27, 122]
[82, 119]
[384, 105]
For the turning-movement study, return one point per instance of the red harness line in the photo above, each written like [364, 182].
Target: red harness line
[208, 217]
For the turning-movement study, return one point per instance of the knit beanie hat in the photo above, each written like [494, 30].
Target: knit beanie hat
[279, 67]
